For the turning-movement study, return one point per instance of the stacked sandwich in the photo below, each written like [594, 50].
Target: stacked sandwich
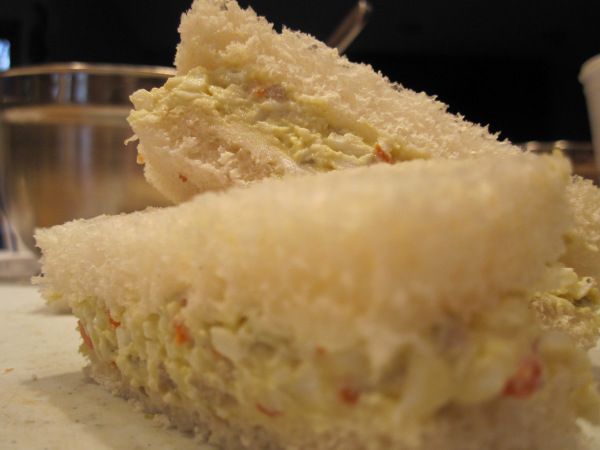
[368, 272]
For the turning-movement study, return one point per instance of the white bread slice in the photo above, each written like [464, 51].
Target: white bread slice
[439, 231]
[191, 141]
[243, 91]
[220, 36]
[384, 307]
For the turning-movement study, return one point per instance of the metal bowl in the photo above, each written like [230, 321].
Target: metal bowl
[63, 154]
[580, 153]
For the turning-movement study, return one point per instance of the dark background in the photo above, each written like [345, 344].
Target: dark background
[510, 64]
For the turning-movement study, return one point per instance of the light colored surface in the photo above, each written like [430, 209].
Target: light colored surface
[46, 403]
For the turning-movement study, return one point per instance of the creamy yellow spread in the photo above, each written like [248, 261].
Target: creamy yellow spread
[571, 303]
[303, 127]
[257, 376]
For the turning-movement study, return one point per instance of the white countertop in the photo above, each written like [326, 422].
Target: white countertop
[45, 401]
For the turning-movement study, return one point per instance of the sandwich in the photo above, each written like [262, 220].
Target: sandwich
[249, 103]
[349, 266]
[378, 307]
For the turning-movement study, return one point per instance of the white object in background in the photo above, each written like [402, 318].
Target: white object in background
[17, 266]
[17, 262]
[589, 76]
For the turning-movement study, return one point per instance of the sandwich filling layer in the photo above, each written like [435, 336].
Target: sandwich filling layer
[258, 377]
[210, 129]
[304, 128]
[569, 303]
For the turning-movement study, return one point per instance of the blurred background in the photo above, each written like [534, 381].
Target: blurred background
[511, 64]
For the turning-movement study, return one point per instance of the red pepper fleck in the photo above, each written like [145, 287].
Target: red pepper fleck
[275, 92]
[268, 411]
[113, 365]
[320, 351]
[183, 178]
[113, 322]
[260, 92]
[86, 338]
[382, 155]
[182, 334]
[349, 395]
[526, 380]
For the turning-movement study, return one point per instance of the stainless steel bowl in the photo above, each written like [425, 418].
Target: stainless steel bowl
[62, 144]
[580, 153]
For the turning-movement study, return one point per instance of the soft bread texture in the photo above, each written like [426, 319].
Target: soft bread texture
[190, 144]
[423, 238]
[206, 151]
[338, 280]
[240, 40]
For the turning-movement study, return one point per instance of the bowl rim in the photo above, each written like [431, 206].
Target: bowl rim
[90, 69]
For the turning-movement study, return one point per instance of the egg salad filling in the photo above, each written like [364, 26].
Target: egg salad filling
[238, 373]
[303, 127]
[571, 304]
